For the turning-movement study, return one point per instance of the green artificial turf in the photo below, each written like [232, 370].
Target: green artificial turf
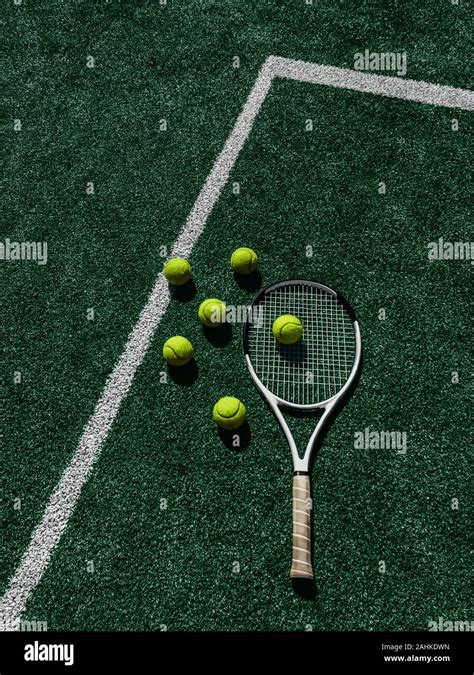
[183, 530]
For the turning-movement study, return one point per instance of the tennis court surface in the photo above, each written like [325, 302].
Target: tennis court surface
[135, 130]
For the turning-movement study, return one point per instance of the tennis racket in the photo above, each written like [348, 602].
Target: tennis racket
[312, 374]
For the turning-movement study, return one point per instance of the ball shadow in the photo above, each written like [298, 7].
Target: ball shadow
[249, 282]
[186, 375]
[228, 437]
[295, 354]
[185, 292]
[219, 336]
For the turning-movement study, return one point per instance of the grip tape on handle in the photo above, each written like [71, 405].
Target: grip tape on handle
[301, 567]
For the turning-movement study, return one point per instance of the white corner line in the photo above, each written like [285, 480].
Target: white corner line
[48, 532]
[369, 83]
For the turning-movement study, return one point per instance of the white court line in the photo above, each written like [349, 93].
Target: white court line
[368, 83]
[48, 532]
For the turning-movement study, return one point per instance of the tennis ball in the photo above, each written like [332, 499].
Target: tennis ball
[229, 412]
[177, 351]
[177, 271]
[212, 312]
[287, 329]
[244, 261]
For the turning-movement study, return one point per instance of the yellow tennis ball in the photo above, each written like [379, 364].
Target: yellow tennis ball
[244, 261]
[287, 329]
[177, 351]
[177, 271]
[229, 412]
[212, 312]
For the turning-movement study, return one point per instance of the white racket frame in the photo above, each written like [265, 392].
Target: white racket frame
[301, 465]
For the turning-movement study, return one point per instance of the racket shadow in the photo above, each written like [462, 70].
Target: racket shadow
[305, 588]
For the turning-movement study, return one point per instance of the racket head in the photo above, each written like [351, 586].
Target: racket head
[320, 367]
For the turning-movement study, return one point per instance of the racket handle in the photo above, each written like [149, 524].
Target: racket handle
[301, 563]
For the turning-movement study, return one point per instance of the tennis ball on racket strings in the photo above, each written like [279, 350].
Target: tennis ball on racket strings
[244, 261]
[177, 351]
[212, 312]
[229, 413]
[177, 271]
[287, 329]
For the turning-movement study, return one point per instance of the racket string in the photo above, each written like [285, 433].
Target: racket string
[315, 368]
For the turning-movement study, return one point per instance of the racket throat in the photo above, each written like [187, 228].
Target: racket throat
[303, 465]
